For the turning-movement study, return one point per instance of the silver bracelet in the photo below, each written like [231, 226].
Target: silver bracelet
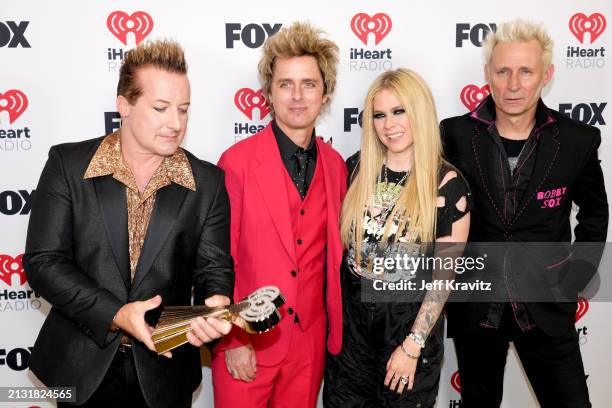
[412, 356]
[418, 339]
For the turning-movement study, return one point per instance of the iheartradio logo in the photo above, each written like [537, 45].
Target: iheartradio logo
[471, 95]
[379, 24]
[120, 24]
[14, 102]
[10, 266]
[247, 99]
[583, 307]
[455, 382]
[595, 25]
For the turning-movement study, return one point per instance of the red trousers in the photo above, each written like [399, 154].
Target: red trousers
[294, 383]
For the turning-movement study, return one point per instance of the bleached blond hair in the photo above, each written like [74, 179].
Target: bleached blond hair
[519, 31]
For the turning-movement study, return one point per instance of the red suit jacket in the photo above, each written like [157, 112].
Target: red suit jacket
[262, 242]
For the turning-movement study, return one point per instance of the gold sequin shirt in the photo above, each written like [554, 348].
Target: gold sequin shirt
[108, 160]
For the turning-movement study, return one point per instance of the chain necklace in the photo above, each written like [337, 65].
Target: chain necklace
[387, 193]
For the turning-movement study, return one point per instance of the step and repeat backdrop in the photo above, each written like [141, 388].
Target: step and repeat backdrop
[59, 65]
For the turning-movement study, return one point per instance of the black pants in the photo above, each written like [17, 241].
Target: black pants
[371, 332]
[120, 387]
[552, 364]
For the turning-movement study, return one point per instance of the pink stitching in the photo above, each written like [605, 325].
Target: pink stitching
[486, 188]
[560, 262]
[519, 167]
[555, 135]
[501, 169]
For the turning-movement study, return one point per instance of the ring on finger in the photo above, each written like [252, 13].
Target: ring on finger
[404, 379]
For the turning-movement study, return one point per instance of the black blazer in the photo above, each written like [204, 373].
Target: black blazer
[566, 156]
[77, 259]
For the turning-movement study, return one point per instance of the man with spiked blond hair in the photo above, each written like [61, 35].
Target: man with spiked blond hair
[286, 187]
[121, 225]
[515, 151]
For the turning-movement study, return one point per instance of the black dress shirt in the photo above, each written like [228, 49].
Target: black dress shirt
[300, 172]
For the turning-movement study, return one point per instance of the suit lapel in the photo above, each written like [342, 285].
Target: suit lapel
[270, 176]
[111, 196]
[168, 201]
[546, 157]
[484, 147]
[332, 196]
[332, 189]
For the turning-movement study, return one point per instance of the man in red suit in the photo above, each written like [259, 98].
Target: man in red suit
[286, 188]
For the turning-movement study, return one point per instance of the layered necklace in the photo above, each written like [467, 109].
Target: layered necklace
[386, 194]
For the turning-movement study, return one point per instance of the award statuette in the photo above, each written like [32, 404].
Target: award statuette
[259, 310]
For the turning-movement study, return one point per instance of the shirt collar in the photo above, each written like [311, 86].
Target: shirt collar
[485, 112]
[108, 160]
[287, 147]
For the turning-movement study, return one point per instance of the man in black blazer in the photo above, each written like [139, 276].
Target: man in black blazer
[121, 225]
[526, 164]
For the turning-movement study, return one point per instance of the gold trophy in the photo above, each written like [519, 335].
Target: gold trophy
[259, 310]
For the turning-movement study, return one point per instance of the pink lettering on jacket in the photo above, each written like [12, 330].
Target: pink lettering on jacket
[551, 198]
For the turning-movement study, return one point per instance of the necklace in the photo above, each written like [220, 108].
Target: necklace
[387, 193]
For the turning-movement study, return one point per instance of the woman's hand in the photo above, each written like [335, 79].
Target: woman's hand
[401, 368]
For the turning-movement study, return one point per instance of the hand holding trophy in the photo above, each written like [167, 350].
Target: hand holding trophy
[257, 313]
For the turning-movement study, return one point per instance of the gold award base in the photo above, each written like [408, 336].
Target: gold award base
[259, 311]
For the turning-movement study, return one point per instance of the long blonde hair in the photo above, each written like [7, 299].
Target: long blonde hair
[416, 205]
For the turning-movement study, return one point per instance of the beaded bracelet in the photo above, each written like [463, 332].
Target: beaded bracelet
[418, 339]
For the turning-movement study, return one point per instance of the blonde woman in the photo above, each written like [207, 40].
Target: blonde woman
[402, 197]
